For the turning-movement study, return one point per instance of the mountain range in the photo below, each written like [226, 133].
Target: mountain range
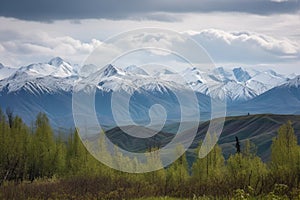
[48, 87]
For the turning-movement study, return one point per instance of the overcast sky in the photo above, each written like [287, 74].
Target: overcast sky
[253, 33]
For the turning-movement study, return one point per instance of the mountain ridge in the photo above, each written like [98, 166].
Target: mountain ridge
[245, 90]
[247, 127]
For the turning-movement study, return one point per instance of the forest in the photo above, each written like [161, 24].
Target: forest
[38, 163]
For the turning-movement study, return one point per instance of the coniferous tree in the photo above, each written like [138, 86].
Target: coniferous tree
[9, 113]
[237, 145]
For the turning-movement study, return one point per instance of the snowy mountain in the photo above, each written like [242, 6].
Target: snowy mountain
[47, 87]
[87, 70]
[241, 75]
[54, 76]
[135, 70]
[6, 71]
[112, 78]
[56, 67]
[217, 83]
[42, 87]
[144, 92]
[283, 99]
[293, 83]
[265, 81]
[238, 84]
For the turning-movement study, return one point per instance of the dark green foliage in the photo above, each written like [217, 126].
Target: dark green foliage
[237, 145]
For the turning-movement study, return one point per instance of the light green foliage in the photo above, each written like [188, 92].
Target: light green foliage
[76, 155]
[60, 157]
[79, 160]
[44, 148]
[209, 168]
[177, 174]
[240, 194]
[13, 148]
[245, 169]
[279, 192]
[285, 155]
[52, 161]
[155, 178]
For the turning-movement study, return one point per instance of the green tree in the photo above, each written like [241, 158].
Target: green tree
[209, 167]
[60, 157]
[245, 169]
[42, 149]
[13, 148]
[76, 155]
[208, 172]
[285, 155]
[4, 147]
[156, 179]
[177, 174]
[19, 148]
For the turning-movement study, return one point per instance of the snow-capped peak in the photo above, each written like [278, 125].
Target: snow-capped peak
[6, 71]
[136, 70]
[193, 75]
[240, 84]
[291, 76]
[295, 82]
[220, 74]
[163, 72]
[87, 70]
[56, 67]
[273, 73]
[241, 75]
[111, 70]
[62, 65]
[57, 61]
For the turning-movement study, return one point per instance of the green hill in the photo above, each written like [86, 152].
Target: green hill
[259, 129]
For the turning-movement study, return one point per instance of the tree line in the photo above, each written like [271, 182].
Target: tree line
[28, 154]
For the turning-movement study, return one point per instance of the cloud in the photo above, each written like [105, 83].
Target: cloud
[246, 47]
[26, 48]
[163, 17]
[279, 1]
[223, 47]
[1, 48]
[115, 9]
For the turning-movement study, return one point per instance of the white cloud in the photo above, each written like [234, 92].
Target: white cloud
[279, 1]
[27, 48]
[1, 48]
[281, 46]
[245, 46]
[228, 37]
[223, 47]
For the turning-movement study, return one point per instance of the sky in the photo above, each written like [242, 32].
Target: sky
[248, 33]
